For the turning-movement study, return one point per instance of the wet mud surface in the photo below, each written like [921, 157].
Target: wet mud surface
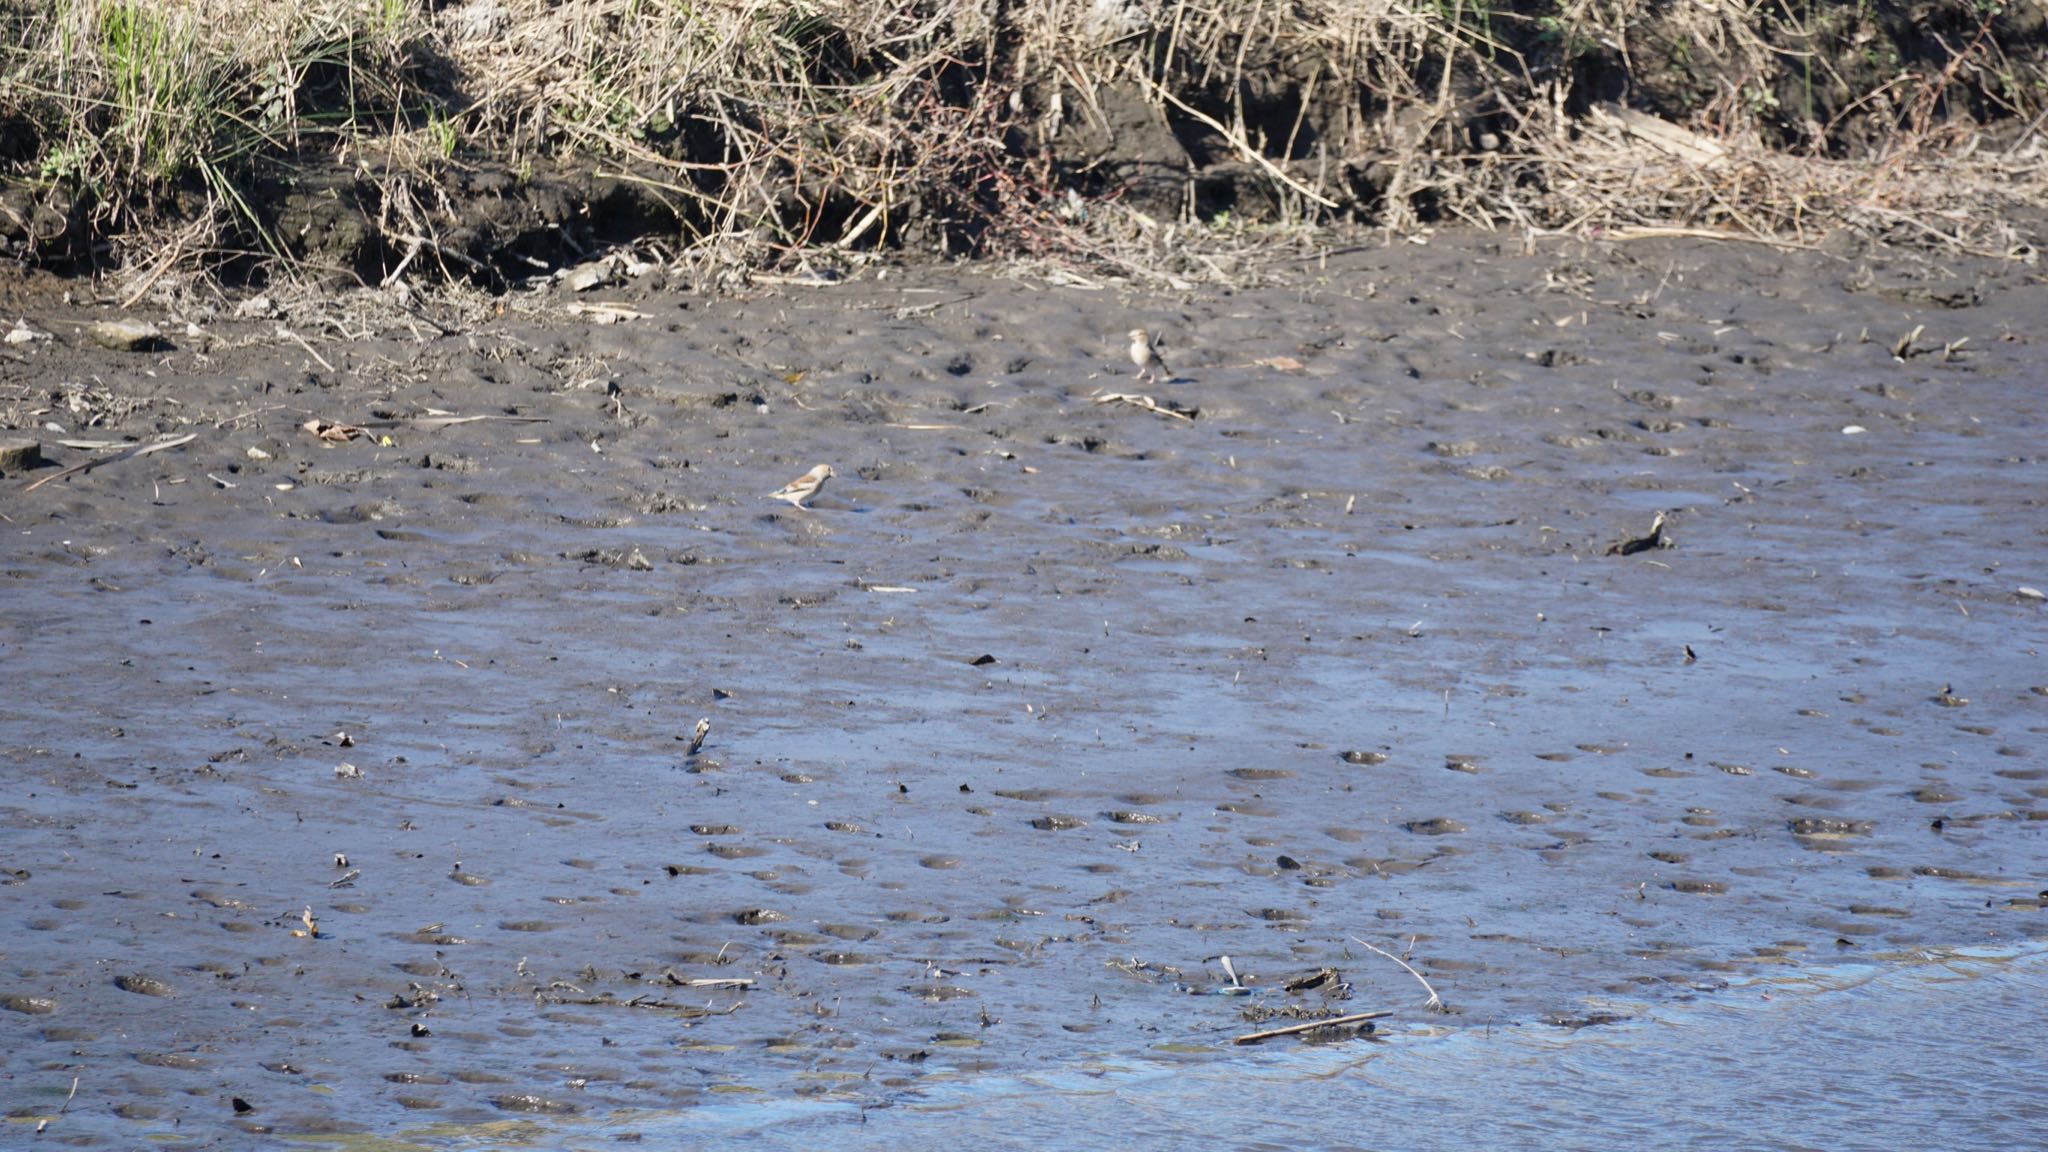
[1041, 704]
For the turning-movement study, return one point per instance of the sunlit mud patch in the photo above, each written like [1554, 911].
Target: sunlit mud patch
[351, 793]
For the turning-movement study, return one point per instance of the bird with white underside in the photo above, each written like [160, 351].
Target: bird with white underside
[801, 489]
[1145, 354]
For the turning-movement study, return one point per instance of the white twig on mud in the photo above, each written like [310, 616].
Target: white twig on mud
[1434, 1000]
[294, 337]
[1145, 402]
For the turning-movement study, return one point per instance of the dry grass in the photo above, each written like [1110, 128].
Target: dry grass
[162, 130]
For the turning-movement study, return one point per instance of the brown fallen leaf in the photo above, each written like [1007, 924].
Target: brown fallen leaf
[1283, 363]
[332, 431]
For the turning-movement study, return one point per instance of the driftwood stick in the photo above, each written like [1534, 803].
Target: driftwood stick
[1312, 1025]
[125, 454]
[447, 420]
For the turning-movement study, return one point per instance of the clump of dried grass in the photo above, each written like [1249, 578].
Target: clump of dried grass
[141, 116]
[756, 115]
[1954, 197]
[164, 127]
[1928, 180]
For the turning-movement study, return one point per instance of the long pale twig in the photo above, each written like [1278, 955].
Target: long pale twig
[1145, 402]
[1434, 1000]
[126, 454]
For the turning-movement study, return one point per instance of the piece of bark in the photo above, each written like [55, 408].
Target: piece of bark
[19, 456]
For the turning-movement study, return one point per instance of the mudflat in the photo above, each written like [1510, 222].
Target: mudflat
[348, 782]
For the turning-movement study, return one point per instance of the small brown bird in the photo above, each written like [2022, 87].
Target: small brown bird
[1146, 356]
[804, 487]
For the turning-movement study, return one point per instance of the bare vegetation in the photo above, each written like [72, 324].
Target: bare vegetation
[381, 139]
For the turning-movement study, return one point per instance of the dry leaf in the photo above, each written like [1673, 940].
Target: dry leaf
[1283, 363]
[332, 431]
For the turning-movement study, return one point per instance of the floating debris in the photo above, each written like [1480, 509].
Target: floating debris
[1656, 538]
[1314, 980]
[1236, 987]
[1315, 1025]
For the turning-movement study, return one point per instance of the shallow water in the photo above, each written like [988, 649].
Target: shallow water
[1940, 1052]
[935, 870]
[1936, 1051]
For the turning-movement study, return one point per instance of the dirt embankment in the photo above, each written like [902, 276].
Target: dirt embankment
[482, 139]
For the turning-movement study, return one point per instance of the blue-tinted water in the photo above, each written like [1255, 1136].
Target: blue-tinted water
[1941, 1053]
